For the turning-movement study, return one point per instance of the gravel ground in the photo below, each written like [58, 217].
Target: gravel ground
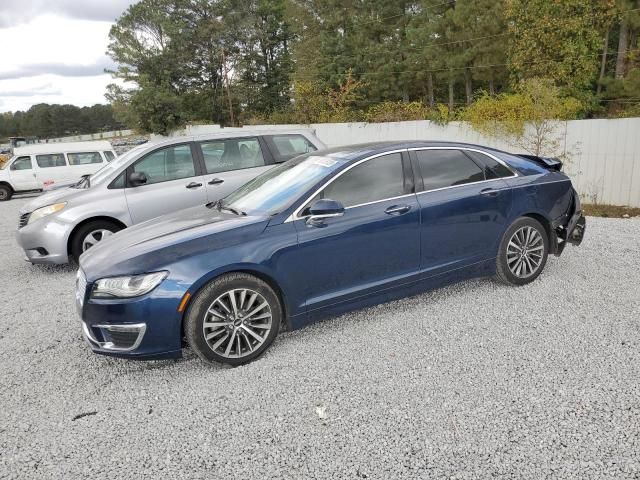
[472, 381]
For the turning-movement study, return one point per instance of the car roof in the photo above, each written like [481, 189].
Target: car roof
[61, 147]
[358, 151]
[228, 132]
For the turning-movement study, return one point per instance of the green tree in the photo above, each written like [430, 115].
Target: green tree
[556, 39]
[528, 118]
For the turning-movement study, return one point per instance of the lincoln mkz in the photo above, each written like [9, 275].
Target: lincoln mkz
[322, 234]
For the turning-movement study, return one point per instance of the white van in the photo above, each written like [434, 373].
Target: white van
[41, 166]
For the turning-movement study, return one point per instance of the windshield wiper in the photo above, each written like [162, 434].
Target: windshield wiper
[240, 213]
[219, 204]
[83, 179]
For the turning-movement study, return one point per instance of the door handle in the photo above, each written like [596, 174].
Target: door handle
[489, 192]
[397, 209]
[216, 181]
[194, 185]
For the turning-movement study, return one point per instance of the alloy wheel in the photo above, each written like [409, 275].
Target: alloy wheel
[525, 252]
[94, 237]
[237, 323]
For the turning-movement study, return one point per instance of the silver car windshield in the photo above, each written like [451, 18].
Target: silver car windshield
[277, 189]
[116, 164]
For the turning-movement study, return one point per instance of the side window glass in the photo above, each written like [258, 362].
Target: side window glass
[109, 155]
[446, 168]
[118, 182]
[492, 168]
[171, 163]
[53, 160]
[22, 163]
[231, 154]
[289, 146]
[373, 180]
[84, 158]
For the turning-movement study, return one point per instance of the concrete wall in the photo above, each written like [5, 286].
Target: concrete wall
[93, 136]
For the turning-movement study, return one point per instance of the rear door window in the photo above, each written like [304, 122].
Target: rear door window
[373, 180]
[51, 160]
[84, 158]
[171, 163]
[492, 168]
[447, 168]
[231, 154]
[284, 147]
[22, 163]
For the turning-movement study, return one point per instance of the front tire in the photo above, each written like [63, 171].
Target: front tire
[234, 319]
[523, 252]
[6, 192]
[90, 234]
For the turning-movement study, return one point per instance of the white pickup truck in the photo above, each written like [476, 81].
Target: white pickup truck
[41, 166]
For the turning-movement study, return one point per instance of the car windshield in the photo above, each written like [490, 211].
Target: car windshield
[111, 167]
[277, 189]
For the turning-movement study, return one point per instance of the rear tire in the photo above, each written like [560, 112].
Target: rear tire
[6, 192]
[234, 319]
[97, 229]
[523, 252]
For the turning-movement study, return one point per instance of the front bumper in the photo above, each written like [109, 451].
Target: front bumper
[45, 241]
[144, 328]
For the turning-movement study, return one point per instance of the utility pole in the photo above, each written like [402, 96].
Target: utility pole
[224, 67]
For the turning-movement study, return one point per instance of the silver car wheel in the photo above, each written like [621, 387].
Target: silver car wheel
[237, 323]
[94, 237]
[525, 252]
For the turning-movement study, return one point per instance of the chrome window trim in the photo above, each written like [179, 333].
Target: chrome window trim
[295, 215]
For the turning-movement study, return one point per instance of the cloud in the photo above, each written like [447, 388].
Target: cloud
[37, 90]
[64, 70]
[13, 12]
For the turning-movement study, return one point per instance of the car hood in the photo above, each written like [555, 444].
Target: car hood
[157, 243]
[51, 197]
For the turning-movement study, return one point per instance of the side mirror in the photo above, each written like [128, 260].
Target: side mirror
[137, 179]
[324, 208]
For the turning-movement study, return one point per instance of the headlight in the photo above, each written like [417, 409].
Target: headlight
[38, 213]
[126, 287]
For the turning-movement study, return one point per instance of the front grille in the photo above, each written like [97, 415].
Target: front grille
[24, 219]
[120, 339]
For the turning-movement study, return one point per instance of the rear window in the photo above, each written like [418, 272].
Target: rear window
[51, 160]
[84, 158]
[285, 147]
[447, 168]
[109, 155]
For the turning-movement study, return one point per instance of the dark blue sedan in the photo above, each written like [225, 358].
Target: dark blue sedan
[319, 235]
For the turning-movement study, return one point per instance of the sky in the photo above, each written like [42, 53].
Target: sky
[53, 51]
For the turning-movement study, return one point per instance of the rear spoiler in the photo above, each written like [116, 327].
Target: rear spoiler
[547, 162]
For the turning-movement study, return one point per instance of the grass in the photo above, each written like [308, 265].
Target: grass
[609, 211]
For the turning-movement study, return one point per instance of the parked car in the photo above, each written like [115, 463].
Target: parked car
[150, 180]
[322, 234]
[35, 167]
